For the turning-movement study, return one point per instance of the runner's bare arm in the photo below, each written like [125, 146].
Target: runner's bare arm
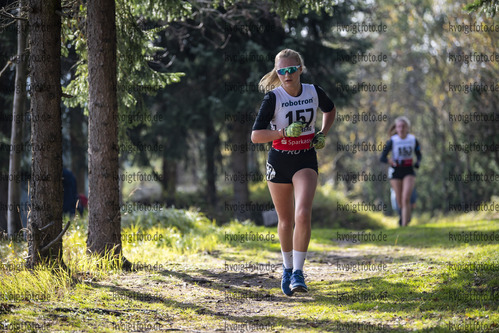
[328, 120]
[265, 135]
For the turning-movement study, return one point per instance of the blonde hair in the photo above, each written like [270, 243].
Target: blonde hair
[270, 80]
[404, 119]
[392, 130]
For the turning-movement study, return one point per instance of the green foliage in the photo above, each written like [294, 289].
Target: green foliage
[135, 52]
[139, 25]
[488, 7]
[159, 10]
[182, 220]
[181, 231]
[419, 43]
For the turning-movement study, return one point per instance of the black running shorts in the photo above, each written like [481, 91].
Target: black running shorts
[400, 172]
[283, 164]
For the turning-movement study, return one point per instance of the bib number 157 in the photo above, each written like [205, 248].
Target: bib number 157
[300, 115]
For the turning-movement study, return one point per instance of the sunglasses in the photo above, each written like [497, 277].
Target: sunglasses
[290, 70]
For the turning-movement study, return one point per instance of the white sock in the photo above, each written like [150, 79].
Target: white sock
[298, 260]
[287, 258]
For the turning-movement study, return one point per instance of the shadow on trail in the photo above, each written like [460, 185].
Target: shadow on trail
[233, 322]
[405, 301]
[252, 284]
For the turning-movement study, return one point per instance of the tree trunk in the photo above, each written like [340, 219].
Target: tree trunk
[104, 222]
[46, 132]
[239, 161]
[78, 147]
[210, 145]
[13, 215]
[4, 191]
[169, 179]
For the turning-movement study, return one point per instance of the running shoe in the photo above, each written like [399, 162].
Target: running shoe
[298, 282]
[286, 280]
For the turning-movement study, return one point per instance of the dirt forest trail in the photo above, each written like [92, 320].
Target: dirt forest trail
[247, 296]
[434, 277]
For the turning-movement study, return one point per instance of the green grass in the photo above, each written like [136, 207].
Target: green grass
[424, 280]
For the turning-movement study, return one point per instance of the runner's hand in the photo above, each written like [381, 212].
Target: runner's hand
[295, 129]
[319, 141]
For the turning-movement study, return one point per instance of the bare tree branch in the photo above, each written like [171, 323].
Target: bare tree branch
[5, 68]
[8, 15]
[49, 245]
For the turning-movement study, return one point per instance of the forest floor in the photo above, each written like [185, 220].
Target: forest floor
[425, 278]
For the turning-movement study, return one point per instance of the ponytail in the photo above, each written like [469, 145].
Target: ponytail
[269, 82]
[391, 130]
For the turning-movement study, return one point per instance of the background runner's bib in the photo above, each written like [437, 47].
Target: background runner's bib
[289, 109]
[403, 149]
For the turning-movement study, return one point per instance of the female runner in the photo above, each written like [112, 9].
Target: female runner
[290, 108]
[401, 171]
